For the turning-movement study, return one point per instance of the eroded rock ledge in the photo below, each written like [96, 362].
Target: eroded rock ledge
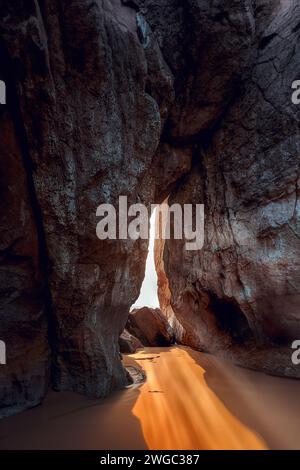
[144, 99]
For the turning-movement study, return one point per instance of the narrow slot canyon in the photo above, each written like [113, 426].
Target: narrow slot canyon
[125, 327]
[148, 295]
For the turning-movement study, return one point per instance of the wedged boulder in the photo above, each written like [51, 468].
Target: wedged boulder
[209, 48]
[150, 326]
[128, 343]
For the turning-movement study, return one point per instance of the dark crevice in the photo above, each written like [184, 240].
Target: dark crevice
[266, 40]
[296, 28]
[7, 73]
[230, 318]
[131, 4]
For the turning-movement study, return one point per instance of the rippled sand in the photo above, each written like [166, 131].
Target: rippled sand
[189, 401]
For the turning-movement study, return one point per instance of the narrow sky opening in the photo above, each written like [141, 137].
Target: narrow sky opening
[148, 296]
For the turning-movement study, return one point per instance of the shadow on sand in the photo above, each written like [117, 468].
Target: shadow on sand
[268, 405]
[71, 421]
[190, 400]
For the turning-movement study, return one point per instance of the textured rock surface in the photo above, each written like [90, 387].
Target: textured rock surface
[207, 45]
[143, 98]
[128, 343]
[150, 326]
[239, 296]
[92, 90]
[23, 325]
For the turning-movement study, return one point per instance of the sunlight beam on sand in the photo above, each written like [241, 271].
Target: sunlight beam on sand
[177, 409]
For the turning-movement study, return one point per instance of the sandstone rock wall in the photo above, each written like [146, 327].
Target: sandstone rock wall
[92, 92]
[23, 321]
[239, 295]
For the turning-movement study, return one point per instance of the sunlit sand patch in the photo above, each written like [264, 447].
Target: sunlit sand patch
[186, 413]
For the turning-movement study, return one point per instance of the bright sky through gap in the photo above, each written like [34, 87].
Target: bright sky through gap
[148, 295]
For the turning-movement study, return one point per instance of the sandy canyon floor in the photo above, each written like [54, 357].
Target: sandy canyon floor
[190, 400]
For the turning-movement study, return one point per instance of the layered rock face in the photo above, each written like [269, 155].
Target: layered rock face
[239, 295]
[144, 99]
